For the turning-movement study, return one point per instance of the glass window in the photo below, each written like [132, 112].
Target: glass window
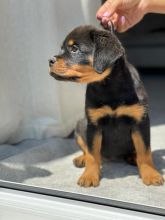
[38, 115]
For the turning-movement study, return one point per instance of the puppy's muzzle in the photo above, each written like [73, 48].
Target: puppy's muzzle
[52, 61]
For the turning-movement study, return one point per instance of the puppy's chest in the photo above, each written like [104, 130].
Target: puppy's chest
[106, 112]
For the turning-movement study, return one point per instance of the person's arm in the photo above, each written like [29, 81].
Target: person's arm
[155, 6]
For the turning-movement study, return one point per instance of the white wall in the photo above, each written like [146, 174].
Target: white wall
[32, 104]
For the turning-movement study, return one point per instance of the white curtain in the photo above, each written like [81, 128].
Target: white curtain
[32, 104]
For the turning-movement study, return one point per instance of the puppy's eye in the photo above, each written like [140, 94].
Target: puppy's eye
[74, 48]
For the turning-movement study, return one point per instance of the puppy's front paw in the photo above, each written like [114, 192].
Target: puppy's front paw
[89, 179]
[151, 176]
[79, 161]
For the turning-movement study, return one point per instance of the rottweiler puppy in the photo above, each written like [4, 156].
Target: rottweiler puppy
[117, 122]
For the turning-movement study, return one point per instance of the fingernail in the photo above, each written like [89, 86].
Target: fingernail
[104, 20]
[122, 20]
[98, 16]
[106, 14]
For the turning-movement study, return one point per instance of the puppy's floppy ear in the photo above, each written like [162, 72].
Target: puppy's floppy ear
[107, 49]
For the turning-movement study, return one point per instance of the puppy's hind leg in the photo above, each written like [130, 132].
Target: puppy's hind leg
[80, 134]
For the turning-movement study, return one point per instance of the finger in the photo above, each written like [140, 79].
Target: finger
[104, 22]
[122, 25]
[105, 26]
[108, 9]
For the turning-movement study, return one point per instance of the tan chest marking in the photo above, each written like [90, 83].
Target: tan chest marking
[135, 111]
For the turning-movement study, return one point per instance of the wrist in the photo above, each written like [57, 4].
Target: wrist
[145, 6]
[154, 6]
[149, 6]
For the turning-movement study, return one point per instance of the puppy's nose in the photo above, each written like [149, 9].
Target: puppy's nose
[52, 60]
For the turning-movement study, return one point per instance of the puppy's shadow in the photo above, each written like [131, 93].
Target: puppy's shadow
[159, 159]
[20, 175]
[120, 169]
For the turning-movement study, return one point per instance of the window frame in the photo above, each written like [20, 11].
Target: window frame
[83, 198]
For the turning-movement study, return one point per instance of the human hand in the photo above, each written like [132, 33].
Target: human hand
[123, 13]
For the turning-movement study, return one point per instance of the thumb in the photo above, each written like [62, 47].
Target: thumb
[108, 9]
[122, 25]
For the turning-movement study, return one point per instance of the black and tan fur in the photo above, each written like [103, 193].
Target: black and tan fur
[117, 122]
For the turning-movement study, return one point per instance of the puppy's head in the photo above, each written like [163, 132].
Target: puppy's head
[87, 55]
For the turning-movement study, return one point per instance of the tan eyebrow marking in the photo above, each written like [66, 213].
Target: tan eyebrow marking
[71, 42]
